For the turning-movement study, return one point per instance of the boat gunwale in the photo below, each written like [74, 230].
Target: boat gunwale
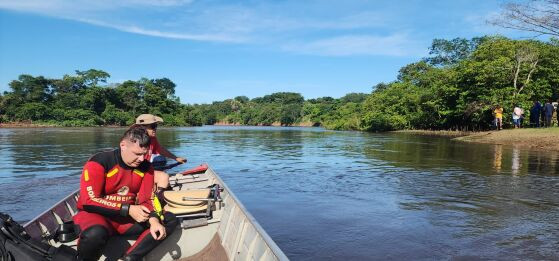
[72, 194]
[269, 241]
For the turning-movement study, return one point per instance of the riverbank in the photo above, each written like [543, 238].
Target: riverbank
[543, 138]
[444, 133]
[274, 124]
[219, 123]
[25, 125]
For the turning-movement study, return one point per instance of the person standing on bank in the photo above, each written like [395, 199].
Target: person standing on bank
[517, 114]
[548, 109]
[557, 113]
[498, 112]
[115, 198]
[535, 114]
[150, 122]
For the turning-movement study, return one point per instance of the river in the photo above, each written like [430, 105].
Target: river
[329, 195]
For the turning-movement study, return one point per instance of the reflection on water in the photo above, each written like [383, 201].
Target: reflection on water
[498, 158]
[326, 195]
[515, 167]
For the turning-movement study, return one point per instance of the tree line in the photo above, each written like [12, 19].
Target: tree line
[455, 87]
[85, 99]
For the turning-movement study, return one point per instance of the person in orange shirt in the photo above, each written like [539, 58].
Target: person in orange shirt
[150, 121]
[498, 112]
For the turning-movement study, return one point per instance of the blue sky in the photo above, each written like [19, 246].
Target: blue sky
[214, 50]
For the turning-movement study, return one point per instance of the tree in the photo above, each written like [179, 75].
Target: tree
[166, 85]
[32, 111]
[449, 52]
[242, 99]
[380, 87]
[354, 97]
[94, 99]
[289, 114]
[91, 77]
[31, 89]
[130, 94]
[526, 56]
[536, 16]
[283, 98]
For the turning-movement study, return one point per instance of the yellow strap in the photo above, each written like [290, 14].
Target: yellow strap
[157, 207]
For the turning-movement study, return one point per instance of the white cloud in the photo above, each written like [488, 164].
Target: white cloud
[150, 2]
[59, 6]
[96, 13]
[391, 45]
[164, 34]
[270, 24]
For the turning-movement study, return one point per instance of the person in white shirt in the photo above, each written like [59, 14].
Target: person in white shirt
[517, 116]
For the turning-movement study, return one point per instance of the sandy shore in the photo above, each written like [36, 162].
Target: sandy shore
[543, 138]
[444, 133]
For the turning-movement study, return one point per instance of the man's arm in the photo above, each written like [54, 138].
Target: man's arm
[170, 155]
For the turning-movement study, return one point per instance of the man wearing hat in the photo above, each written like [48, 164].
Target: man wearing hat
[150, 121]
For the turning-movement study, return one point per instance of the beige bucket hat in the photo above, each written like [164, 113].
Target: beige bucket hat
[148, 119]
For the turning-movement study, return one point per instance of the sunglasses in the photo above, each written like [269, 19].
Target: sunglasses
[152, 126]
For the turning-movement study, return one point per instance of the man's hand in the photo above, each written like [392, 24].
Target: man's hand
[156, 229]
[181, 160]
[139, 213]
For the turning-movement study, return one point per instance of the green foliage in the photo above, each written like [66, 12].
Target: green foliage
[30, 89]
[32, 111]
[460, 85]
[449, 52]
[79, 100]
[456, 87]
[114, 116]
[91, 77]
[347, 117]
[354, 97]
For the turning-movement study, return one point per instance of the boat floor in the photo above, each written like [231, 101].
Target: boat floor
[214, 251]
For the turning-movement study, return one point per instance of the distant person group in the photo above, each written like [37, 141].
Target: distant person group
[117, 193]
[541, 115]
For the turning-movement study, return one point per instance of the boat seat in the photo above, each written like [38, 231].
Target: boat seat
[181, 210]
[188, 202]
[194, 197]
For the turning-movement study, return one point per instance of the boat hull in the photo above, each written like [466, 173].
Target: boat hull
[230, 232]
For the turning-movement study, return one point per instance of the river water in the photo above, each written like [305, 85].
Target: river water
[328, 195]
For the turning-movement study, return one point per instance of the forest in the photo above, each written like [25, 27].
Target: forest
[455, 87]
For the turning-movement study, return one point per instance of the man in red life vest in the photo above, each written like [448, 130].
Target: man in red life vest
[116, 191]
[150, 121]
